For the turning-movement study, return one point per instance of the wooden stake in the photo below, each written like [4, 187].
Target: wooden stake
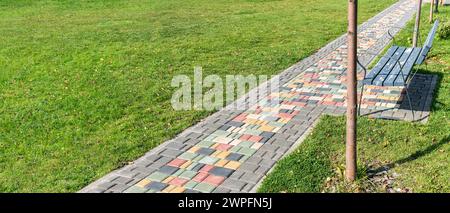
[431, 11]
[416, 27]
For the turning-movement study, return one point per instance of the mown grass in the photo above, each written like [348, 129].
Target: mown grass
[85, 85]
[418, 153]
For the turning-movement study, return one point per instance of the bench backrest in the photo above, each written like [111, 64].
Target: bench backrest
[430, 38]
[428, 43]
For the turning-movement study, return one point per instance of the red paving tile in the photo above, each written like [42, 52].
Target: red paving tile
[214, 180]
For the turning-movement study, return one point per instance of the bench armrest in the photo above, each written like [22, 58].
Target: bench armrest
[400, 28]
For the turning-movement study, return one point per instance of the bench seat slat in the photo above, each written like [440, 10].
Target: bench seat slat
[396, 70]
[385, 72]
[370, 77]
[399, 81]
[392, 61]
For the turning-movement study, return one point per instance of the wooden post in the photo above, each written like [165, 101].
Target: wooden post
[436, 5]
[416, 27]
[350, 151]
[431, 11]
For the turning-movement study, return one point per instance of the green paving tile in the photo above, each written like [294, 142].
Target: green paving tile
[188, 174]
[135, 189]
[235, 135]
[267, 113]
[221, 133]
[254, 130]
[245, 144]
[198, 158]
[190, 167]
[178, 172]
[205, 144]
[157, 176]
[208, 160]
[187, 156]
[275, 124]
[246, 151]
[235, 149]
[210, 137]
[204, 187]
[190, 184]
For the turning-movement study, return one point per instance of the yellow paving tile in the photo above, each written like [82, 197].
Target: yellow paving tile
[221, 163]
[223, 155]
[266, 128]
[215, 145]
[168, 179]
[169, 188]
[177, 190]
[232, 165]
[214, 154]
[186, 164]
[143, 182]
[193, 149]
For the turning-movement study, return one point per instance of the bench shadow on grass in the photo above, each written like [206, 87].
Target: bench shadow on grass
[413, 156]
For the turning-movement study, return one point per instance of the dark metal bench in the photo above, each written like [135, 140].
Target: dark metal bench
[395, 67]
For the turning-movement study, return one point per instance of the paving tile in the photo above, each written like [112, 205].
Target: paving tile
[186, 164]
[223, 147]
[214, 180]
[156, 186]
[204, 187]
[206, 168]
[246, 151]
[176, 162]
[232, 165]
[191, 191]
[178, 181]
[178, 172]
[234, 156]
[143, 182]
[157, 176]
[200, 177]
[135, 189]
[220, 171]
[168, 170]
[188, 156]
[221, 163]
[208, 160]
[168, 179]
[178, 190]
[190, 184]
[205, 151]
[205, 144]
[188, 174]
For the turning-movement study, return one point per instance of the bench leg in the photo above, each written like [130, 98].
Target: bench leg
[409, 101]
[360, 98]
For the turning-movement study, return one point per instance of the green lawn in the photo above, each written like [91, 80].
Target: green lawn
[419, 154]
[85, 85]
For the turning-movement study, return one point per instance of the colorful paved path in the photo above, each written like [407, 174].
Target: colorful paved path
[232, 151]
